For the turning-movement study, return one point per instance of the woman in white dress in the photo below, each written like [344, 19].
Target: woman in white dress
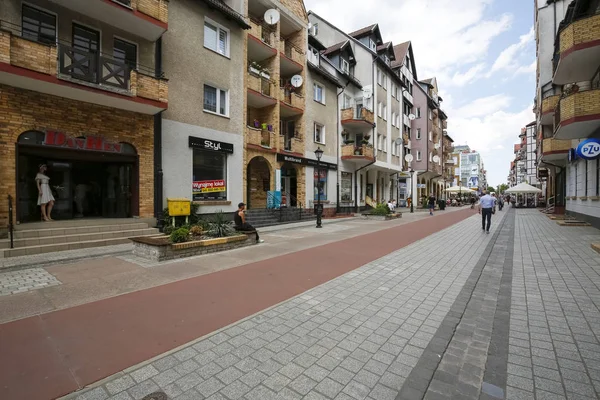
[45, 198]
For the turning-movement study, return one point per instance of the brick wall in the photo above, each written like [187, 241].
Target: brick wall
[582, 31]
[297, 7]
[23, 110]
[31, 55]
[580, 104]
[158, 9]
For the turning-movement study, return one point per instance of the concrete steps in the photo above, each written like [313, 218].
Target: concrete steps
[40, 238]
[264, 217]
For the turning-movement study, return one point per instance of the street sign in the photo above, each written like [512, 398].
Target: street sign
[589, 149]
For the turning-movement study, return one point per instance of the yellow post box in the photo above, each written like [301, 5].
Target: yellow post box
[179, 208]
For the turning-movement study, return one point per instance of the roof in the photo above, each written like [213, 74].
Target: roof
[325, 74]
[335, 47]
[229, 12]
[384, 46]
[427, 81]
[363, 31]
[400, 51]
[316, 43]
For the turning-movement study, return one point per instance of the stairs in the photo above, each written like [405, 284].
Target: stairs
[47, 237]
[268, 217]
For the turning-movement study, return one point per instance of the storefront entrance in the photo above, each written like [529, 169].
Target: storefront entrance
[84, 183]
[289, 185]
[259, 182]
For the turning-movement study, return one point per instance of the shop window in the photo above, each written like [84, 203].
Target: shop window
[346, 186]
[126, 148]
[32, 137]
[125, 52]
[38, 25]
[209, 175]
[216, 37]
[216, 100]
[320, 181]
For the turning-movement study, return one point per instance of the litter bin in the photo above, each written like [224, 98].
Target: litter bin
[442, 204]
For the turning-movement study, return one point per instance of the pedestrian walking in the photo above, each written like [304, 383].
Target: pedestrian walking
[486, 208]
[240, 222]
[431, 204]
[472, 202]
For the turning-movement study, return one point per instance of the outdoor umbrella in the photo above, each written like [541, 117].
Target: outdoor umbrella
[459, 189]
[523, 188]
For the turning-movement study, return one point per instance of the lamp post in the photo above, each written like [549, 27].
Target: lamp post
[408, 158]
[319, 154]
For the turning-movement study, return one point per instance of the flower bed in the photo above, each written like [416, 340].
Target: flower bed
[160, 248]
[381, 217]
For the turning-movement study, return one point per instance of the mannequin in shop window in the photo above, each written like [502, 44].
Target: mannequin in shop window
[45, 198]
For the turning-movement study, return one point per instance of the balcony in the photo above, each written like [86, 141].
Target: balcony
[292, 144]
[292, 58]
[358, 119]
[78, 75]
[577, 115]
[405, 139]
[147, 19]
[360, 155]
[292, 104]
[408, 96]
[260, 137]
[555, 150]
[548, 106]
[261, 91]
[261, 41]
[406, 120]
[578, 54]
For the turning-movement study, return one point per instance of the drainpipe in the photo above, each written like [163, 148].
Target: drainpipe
[158, 171]
[337, 184]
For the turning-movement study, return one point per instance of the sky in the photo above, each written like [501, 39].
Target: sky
[482, 53]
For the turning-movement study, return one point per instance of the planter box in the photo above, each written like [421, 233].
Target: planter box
[381, 217]
[158, 249]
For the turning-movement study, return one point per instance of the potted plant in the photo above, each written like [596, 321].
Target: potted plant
[265, 73]
[367, 137]
[348, 141]
[357, 151]
[365, 141]
[263, 126]
[256, 124]
[270, 128]
[255, 68]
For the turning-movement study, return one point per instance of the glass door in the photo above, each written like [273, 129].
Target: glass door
[123, 194]
[86, 49]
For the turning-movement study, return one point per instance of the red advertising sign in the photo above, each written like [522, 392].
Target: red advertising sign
[93, 143]
[208, 186]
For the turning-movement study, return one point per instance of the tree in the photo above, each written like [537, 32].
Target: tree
[491, 189]
[502, 188]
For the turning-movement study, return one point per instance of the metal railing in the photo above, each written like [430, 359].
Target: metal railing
[92, 67]
[10, 221]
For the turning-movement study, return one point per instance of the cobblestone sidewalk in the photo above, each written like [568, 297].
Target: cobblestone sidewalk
[358, 336]
[23, 281]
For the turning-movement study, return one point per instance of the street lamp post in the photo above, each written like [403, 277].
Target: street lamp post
[408, 158]
[319, 154]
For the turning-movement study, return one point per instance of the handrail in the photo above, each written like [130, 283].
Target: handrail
[10, 221]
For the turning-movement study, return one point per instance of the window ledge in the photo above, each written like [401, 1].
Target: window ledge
[216, 52]
[216, 114]
[583, 197]
[319, 102]
[212, 202]
[321, 143]
[594, 198]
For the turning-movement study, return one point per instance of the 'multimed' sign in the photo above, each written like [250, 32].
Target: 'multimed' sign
[91, 143]
[589, 149]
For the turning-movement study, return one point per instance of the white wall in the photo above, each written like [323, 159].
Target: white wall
[590, 206]
[177, 163]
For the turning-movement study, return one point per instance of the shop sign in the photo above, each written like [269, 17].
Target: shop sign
[207, 144]
[217, 185]
[543, 173]
[588, 149]
[91, 143]
[304, 161]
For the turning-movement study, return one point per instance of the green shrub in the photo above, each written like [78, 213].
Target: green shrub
[196, 230]
[180, 235]
[220, 226]
[193, 219]
[381, 209]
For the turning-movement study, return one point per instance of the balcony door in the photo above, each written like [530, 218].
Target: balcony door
[86, 49]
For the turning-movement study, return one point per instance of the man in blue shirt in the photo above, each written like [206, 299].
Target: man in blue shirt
[486, 206]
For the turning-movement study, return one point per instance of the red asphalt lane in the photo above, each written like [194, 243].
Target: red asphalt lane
[53, 354]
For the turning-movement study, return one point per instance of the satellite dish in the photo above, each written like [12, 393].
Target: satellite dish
[436, 159]
[367, 92]
[408, 158]
[411, 117]
[296, 81]
[398, 141]
[436, 146]
[271, 16]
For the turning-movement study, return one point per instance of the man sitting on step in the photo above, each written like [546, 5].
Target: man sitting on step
[240, 222]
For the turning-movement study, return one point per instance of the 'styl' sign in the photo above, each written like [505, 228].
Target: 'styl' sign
[92, 143]
[589, 149]
[212, 145]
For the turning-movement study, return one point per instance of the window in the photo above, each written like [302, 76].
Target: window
[125, 52]
[379, 108]
[385, 144]
[393, 90]
[346, 186]
[418, 133]
[313, 55]
[38, 25]
[209, 175]
[345, 66]
[430, 136]
[216, 38]
[430, 157]
[393, 119]
[216, 100]
[320, 181]
[384, 112]
[372, 45]
[319, 93]
[418, 112]
[319, 133]
[430, 115]
[418, 155]
[379, 145]
[379, 77]
[346, 102]
[393, 148]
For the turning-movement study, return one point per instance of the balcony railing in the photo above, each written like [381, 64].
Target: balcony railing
[292, 51]
[259, 137]
[350, 150]
[261, 84]
[577, 37]
[295, 144]
[577, 106]
[405, 139]
[262, 31]
[293, 99]
[360, 113]
[549, 103]
[555, 146]
[92, 67]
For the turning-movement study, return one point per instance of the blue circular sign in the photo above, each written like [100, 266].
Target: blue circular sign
[589, 149]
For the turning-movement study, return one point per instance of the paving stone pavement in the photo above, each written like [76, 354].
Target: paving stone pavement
[355, 337]
[554, 350]
[23, 281]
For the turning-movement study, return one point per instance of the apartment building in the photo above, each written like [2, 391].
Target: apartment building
[275, 84]
[370, 108]
[80, 85]
[202, 131]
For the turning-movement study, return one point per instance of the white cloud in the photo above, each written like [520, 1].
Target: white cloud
[527, 69]
[508, 58]
[471, 75]
[481, 106]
